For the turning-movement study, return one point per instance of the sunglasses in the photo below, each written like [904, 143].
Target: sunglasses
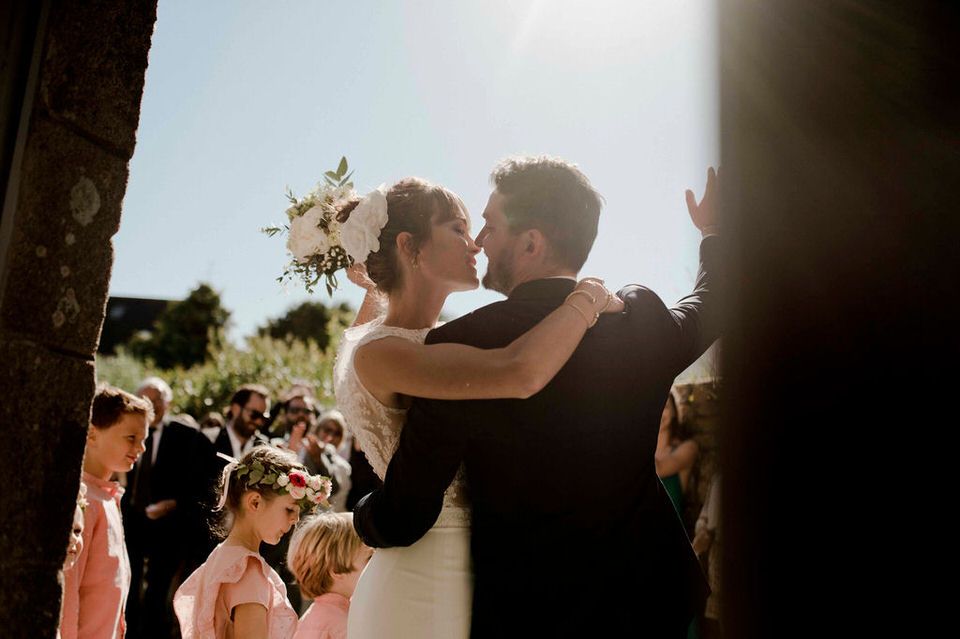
[298, 409]
[255, 415]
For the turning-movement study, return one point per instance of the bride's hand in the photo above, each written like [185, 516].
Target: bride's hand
[604, 301]
[358, 275]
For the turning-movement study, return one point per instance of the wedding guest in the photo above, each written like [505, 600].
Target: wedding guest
[165, 512]
[675, 456]
[707, 539]
[76, 532]
[75, 545]
[235, 593]
[210, 425]
[297, 412]
[96, 586]
[327, 557]
[322, 456]
[249, 412]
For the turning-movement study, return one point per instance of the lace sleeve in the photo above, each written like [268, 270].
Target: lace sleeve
[374, 426]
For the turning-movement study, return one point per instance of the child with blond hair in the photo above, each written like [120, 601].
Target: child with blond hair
[327, 557]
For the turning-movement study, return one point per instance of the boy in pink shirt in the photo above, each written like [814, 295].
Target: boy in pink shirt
[327, 558]
[95, 588]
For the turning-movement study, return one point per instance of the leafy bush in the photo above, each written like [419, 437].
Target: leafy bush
[208, 385]
[301, 322]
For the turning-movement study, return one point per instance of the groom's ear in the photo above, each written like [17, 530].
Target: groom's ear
[533, 243]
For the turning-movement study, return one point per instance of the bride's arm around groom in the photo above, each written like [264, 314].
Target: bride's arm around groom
[434, 441]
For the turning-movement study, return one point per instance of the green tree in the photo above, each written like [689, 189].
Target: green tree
[209, 385]
[185, 331]
[309, 321]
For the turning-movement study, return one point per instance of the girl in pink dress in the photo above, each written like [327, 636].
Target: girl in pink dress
[235, 593]
[95, 588]
[327, 557]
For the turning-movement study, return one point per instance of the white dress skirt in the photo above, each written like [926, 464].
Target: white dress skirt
[423, 591]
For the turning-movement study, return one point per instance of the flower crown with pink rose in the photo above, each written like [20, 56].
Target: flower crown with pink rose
[308, 490]
[321, 245]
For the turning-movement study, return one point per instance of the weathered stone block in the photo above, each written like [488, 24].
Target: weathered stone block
[60, 255]
[93, 68]
[44, 418]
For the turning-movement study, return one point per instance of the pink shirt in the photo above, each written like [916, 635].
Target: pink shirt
[326, 618]
[232, 575]
[95, 589]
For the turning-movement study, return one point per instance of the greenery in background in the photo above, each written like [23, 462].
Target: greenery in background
[208, 383]
[302, 322]
[208, 386]
[185, 332]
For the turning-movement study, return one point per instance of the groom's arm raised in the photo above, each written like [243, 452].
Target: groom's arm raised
[697, 318]
[427, 458]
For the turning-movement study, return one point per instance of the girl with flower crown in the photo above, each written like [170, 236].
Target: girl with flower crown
[235, 593]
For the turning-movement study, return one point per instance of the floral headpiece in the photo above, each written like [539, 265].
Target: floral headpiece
[319, 244]
[308, 490]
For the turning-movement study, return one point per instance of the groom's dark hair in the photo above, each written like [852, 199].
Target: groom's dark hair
[555, 197]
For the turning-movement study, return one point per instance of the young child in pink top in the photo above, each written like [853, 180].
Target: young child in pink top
[326, 556]
[235, 593]
[76, 532]
[95, 587]
[75, 545]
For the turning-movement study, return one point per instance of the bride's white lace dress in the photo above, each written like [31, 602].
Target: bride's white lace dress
[424, 590]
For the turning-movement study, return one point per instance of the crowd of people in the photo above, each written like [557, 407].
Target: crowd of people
[501, 397]
[147, 515]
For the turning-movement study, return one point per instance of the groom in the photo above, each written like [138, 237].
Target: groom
[572, 531]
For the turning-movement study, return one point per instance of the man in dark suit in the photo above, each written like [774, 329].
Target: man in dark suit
[164, 513]
[572, 532]
[249, 412]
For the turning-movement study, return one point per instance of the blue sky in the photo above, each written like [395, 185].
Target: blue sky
[244, 98]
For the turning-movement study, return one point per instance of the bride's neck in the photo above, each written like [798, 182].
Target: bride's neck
[414, 306]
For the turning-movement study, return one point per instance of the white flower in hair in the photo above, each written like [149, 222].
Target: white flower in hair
[282, 480]
[297, 492]
[360, 234]
[306, 237]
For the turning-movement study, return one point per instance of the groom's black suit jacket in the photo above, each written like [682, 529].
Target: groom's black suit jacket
[572, 531]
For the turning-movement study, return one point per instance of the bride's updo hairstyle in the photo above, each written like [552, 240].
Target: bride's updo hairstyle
[414, 205]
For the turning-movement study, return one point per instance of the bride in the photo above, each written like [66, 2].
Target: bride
[424, 253]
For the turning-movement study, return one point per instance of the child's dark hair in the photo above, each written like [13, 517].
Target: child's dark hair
[110, 404]
[274, 459]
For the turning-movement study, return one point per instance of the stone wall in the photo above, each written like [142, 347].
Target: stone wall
[77, 119]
